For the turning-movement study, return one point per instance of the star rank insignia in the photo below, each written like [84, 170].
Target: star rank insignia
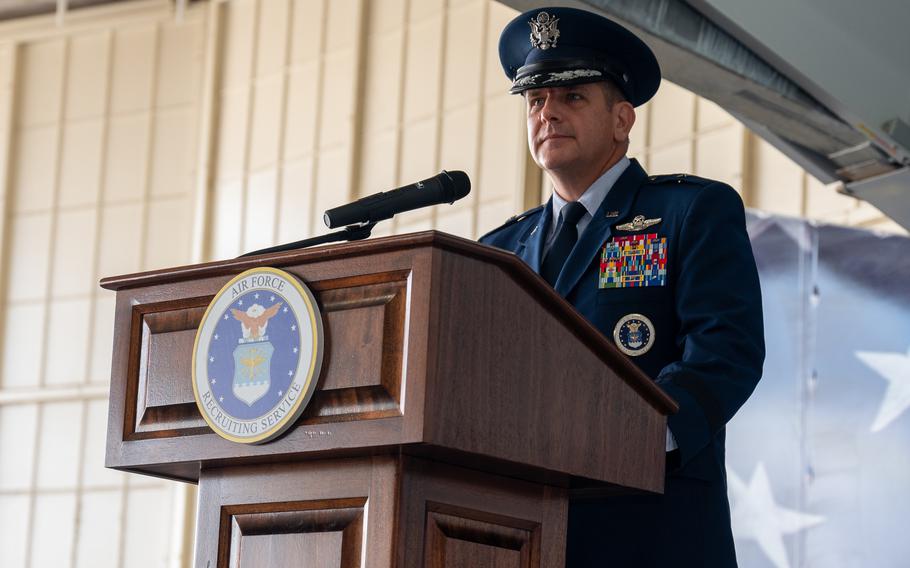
[638, 223]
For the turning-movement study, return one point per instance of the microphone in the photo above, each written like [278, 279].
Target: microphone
[446, 187]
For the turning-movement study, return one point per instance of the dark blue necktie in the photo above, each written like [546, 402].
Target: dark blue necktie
[563, 243]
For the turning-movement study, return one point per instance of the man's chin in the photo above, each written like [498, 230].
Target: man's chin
[555, 162]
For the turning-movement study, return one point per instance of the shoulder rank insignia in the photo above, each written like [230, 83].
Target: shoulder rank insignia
[638, 223]
[512, 220]
[679, 179]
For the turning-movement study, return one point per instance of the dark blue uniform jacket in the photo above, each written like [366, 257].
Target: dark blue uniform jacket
[707, 354]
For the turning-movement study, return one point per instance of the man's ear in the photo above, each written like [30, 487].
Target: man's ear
[625, 119]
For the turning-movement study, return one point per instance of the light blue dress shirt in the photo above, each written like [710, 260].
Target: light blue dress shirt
[591, 199]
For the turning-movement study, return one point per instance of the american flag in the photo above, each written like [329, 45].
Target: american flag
[818, 460]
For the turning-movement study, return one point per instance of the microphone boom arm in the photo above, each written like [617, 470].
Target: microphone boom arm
[350, 233]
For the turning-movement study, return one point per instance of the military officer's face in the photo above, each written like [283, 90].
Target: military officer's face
[577, 128]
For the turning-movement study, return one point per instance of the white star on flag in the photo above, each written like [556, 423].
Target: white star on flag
[240, 302]
[211, 359]
[756, 516]
[256, 296]
[220, 399]
[214, 381]
[225, 316]
[895, 368]
[290, 373]
[272, 299]
[280, 393]
[216, 335]
[295, 350]
[285, 310]
[293, 328]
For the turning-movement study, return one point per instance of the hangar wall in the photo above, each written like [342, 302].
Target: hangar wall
[134, 137]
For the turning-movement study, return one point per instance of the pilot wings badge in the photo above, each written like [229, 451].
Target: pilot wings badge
[638, 223]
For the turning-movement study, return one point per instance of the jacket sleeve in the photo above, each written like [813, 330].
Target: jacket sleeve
[718, 302]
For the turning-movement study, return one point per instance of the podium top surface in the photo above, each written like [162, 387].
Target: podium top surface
[302, 256]
[506, 260]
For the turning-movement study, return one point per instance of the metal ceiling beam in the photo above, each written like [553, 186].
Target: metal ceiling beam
[705, 58]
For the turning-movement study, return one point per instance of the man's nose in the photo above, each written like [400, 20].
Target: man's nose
[550, 111]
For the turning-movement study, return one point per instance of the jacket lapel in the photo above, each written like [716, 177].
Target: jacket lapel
[615, 206]
[531, 245]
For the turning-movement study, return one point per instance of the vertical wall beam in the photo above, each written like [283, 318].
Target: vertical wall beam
[748, 184]
[150, 147]
[9, 67]
[399, 111]
[283, 123]
[479, 164]
[358, 123]
[61, 115]
[317, 126]
[250, 106]
[208, 128]
[440, 95]
[90, 337]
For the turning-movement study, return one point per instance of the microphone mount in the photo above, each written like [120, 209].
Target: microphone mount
[349, 233]
[362, 215]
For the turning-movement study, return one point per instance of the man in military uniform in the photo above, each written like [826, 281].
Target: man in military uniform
[662, 265]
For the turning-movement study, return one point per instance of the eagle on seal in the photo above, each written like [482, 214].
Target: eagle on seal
[255, 319]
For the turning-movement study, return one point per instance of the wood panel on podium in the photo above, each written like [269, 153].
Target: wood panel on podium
[460, 402]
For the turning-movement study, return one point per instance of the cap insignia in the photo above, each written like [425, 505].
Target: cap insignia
[543, 31]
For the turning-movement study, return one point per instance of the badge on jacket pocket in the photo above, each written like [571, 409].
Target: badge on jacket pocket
[634, 260]
[634, 334]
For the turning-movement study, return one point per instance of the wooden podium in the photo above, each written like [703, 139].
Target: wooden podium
[461, 402]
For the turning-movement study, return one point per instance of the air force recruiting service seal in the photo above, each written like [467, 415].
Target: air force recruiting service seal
[257, 355]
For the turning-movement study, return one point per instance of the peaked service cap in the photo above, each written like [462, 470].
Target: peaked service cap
[553, 47]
